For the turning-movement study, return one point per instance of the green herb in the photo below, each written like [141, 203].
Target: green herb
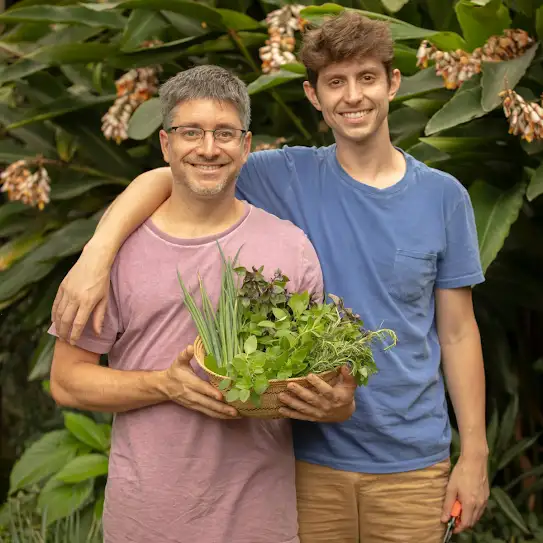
[261, 332]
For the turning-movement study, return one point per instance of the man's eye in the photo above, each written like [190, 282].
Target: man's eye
[225, 134]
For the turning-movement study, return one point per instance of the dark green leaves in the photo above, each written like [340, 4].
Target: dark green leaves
[65, 14]
[535, 188]
[418, 84]
[146, 120]
[87, 431]
[142, 25]
[269, 81]
[83, 467]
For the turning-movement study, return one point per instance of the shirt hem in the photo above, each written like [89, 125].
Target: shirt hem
[377, 469]
[466, 281]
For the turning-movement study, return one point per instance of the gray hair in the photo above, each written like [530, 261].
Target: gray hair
[205, 82]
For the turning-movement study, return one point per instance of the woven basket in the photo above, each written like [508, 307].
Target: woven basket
[269, 400]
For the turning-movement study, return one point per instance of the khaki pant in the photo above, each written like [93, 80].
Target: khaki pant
[344, 507]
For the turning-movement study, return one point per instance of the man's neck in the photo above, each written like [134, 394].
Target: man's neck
[374, 162]
[185, 215]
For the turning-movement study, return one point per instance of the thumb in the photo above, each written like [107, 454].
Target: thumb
[99, 315]
[348, 379]
[184, 358]
[450, 498]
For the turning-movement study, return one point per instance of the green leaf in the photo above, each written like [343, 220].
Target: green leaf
[60, 107]
[535, 188]
[232, 395]
[87, 431]
[142, 25]
[463, 107]
[266, 324]
[478, 23]
[244, 395]
[421, 83]
[192, 10]
[20, 69]
[83, 467]
[72, 53]
[492, 431]
[58, 500]
[67, 190]
[448, 41]
[146, 120]
[495, 212]
[224, 384]
[498, 76]
[516, 450]
[269, 81]
[394, 5]
[65, 14]
[539, 22]
[42, 358]
[43, 458]
[250, 345]
[507, 426]
[454, 144]
[509, 510]
[17, 247]
[235, 20]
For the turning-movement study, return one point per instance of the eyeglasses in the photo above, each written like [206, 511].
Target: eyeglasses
[222, 136]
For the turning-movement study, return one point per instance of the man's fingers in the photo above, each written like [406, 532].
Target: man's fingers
[291, 414]
[308, 396]
[450, 497]
[59, 311]
[201, 401]
[348, 378]
[300, 406]
[99, 315]
[66, 321]
[185, 356]
[56, 303]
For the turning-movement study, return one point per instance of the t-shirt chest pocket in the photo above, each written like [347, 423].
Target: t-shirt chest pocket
[413, 275]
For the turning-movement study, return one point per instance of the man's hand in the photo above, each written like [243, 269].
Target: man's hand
[84, 289]
[327, 404]
[469, 485]
[182, 386]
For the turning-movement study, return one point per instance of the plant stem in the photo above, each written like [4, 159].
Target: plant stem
[81, 169]
[294, 118]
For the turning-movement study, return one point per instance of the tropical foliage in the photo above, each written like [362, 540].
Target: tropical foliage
[79, 119]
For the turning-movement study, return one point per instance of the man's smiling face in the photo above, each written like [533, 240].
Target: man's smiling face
[207, 166]
[354, 97]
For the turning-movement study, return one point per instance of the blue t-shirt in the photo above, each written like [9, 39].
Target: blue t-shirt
[383, 251]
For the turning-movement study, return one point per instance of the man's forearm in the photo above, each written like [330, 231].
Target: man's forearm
[96, 388]
[464, 373]
[129, 210]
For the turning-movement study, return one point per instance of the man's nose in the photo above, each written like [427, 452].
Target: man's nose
[208, 147]
[353, 92]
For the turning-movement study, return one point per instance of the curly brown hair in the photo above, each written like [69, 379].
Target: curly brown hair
[347, 36]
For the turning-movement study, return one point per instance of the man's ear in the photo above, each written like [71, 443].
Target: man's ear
[247, 142]
[395, 82]
[165, 145]
[311, 94]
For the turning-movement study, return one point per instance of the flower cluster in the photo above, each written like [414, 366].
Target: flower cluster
[20, 183]
[525, 118]
[458, 66]
[279, 48]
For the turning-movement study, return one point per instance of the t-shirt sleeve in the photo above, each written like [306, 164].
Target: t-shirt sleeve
[111, 328]
[460, 264]
[311, 272]
[264, 181]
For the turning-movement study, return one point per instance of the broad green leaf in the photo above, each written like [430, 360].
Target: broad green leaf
[478, 23]
[234, 20]
[42, 358]
[250, 344]
[20, 276]
[142, 25]
[87, 431]
[454, 144]
[11, 151]
[224, 43]
[296, 67]
[146, 120]
[394, 5]
[186, 26]
[495, 212]
[17, 247]
[43, 458]
[516, 450]
[508, 507]
[498, 76]
[492, 431]
[58, 500]
[60, 107]
[69, 34]
[534, 472]
[10, 210]
[20, 69]
[70, 189]
[463, 107]
[535, 188]
[269, 81]
[73, 53]
[193, 10]
[83, 467]
[65, 14]
[421, 83]
[448, 41]
[232, 395]
[405, 123]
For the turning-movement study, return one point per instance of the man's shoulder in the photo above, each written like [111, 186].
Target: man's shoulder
[290, 155]
[274, 225]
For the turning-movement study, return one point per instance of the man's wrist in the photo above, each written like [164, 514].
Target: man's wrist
[103, 250]
[476, 449]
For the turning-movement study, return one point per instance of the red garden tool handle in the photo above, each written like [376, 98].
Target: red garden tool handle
[456, 509]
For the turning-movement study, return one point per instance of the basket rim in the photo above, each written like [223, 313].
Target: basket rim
[198, 341]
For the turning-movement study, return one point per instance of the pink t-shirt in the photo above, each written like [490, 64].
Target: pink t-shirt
[175, 475]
